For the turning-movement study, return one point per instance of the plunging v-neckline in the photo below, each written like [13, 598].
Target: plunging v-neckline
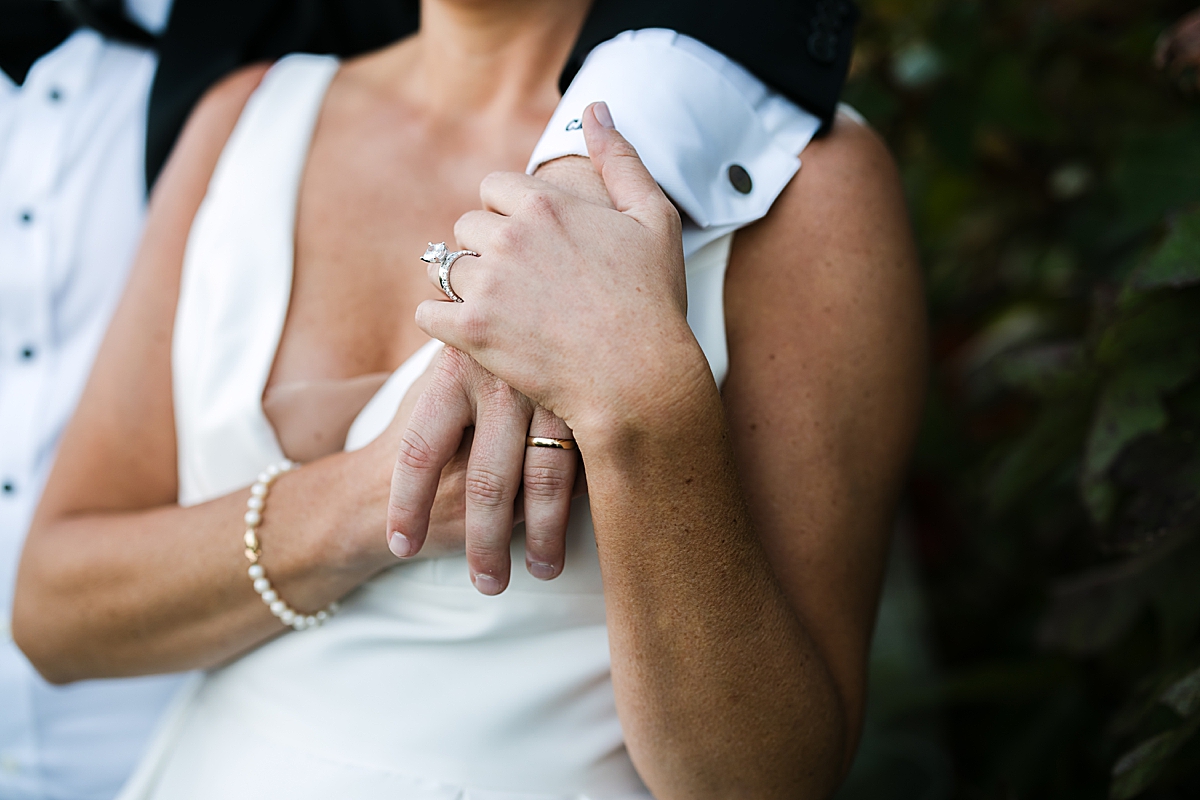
[273, 351]
[236, 285]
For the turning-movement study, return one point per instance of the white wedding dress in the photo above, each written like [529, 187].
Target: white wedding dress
[421, 688]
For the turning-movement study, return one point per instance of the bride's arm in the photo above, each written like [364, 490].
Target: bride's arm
[745, 595]
[741, 536]
[116, 578]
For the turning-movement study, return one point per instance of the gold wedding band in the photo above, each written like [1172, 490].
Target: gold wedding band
[546, 441]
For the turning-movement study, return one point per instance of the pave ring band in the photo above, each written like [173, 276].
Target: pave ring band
[439, 254]
[546, 441]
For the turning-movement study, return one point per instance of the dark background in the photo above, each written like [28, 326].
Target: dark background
[1039, 632]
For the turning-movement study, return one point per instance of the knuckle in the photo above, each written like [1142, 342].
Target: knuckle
[401, 516]
[623, 148]
[445, 385]
[545, 482]
[508, 238]
[474, 328]
[454, 362]
[483, 487]
[541, 204]
[493, 180]
[543, 545]
[461, 228]
[545, 541]
[415, 453]
[488, 552]
[498, 394]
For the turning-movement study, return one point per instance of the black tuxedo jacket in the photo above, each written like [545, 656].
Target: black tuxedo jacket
[800, 48]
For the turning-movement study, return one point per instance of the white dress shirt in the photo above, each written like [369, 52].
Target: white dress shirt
[71, 210]
[71, 206]
[720, 143]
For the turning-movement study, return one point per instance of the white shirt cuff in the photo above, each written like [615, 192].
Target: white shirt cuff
[693, 115]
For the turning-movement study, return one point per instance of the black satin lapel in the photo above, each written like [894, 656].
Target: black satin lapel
[28, 30]
[800, 48]
[108, 17]
[207, 39]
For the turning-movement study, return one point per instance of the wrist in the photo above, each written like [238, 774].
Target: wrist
[671, 391]
[351, 538]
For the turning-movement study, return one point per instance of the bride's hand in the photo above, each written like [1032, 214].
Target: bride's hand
[579, 307]
[462, 461]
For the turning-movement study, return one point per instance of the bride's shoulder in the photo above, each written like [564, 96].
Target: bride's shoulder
[854, 157]
[227, 96]
[841, 222]
[154, 279]
[210, 124]
[184, 179]
[847, 180]
[831, 273]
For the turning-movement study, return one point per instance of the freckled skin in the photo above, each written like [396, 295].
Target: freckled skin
[742, 533]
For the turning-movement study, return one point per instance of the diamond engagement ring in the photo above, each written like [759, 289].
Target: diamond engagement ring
[440, 254]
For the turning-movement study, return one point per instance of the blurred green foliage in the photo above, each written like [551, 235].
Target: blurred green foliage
[1053, 175]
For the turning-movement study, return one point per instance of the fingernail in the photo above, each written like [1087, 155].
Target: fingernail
[485, 583]
[602, 115]
[400, 545]
[542, 571]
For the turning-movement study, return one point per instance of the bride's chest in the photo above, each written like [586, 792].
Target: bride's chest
[357, 276]
[377, 186]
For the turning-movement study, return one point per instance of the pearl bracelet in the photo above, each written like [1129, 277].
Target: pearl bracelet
[254, 510]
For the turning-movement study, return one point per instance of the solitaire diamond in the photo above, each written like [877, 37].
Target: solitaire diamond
[435, 253]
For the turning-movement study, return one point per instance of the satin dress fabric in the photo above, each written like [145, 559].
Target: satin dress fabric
[421, 688]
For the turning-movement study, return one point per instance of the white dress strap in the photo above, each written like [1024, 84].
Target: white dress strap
[236, 283]
[706, 302]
